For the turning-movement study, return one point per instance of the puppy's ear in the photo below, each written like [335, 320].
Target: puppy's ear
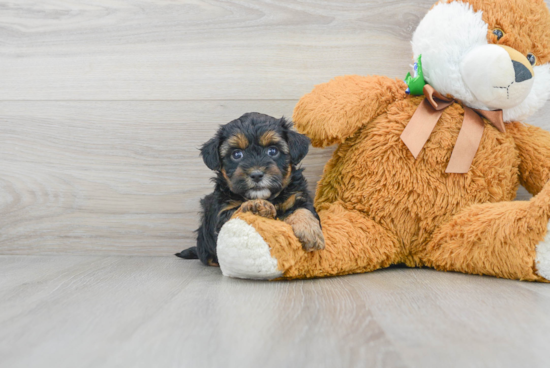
[298, 146]
[210, 153]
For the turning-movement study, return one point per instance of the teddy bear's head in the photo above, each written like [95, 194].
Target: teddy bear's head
[490, 54]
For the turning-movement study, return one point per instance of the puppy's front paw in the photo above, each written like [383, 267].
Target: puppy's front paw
[307, 229]
[260, 207]
[312, 239]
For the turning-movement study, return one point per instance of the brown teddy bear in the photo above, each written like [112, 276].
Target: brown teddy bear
[426, 181]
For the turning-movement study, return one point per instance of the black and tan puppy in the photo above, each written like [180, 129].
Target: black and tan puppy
[255, 160]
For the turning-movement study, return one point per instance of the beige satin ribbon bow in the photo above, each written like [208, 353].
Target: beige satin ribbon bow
[423, 122]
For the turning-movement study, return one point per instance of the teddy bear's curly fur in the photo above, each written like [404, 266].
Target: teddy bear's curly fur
[380, 206]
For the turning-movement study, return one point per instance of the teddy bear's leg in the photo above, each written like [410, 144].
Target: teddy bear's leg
[251, 246]
[508, 239]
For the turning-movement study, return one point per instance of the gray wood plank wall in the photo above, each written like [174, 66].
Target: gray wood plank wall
[104, 103]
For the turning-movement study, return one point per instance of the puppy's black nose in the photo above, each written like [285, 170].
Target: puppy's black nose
[257, 176]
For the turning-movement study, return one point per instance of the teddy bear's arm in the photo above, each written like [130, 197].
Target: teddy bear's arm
[533, 144]
[335, 110]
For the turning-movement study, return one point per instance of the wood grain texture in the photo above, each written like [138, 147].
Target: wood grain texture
[104, 103]
[72, 311]
[197, 49]
[111, 177]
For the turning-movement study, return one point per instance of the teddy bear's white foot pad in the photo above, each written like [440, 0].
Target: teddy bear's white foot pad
[543, 256]
[244, 254]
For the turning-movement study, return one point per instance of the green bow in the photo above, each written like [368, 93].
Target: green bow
[416, 84]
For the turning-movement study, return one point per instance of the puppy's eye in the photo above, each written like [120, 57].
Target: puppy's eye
[532, 59]
[498, 32]
[272, 151]
[237, 155]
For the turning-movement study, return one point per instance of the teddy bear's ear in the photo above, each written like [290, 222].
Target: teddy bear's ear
[298, 143]
[210, 152]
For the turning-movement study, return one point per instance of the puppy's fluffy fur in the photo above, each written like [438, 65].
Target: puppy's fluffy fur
[255, 160]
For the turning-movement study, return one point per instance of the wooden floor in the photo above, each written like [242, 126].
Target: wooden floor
[98, 311]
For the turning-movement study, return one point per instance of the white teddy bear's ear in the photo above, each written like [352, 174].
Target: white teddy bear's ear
[445, 35]
[244, 254]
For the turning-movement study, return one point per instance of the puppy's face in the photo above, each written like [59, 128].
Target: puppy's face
[255, 155]
[255, 162]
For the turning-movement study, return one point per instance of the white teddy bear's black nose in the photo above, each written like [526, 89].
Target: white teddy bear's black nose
[522, 73]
